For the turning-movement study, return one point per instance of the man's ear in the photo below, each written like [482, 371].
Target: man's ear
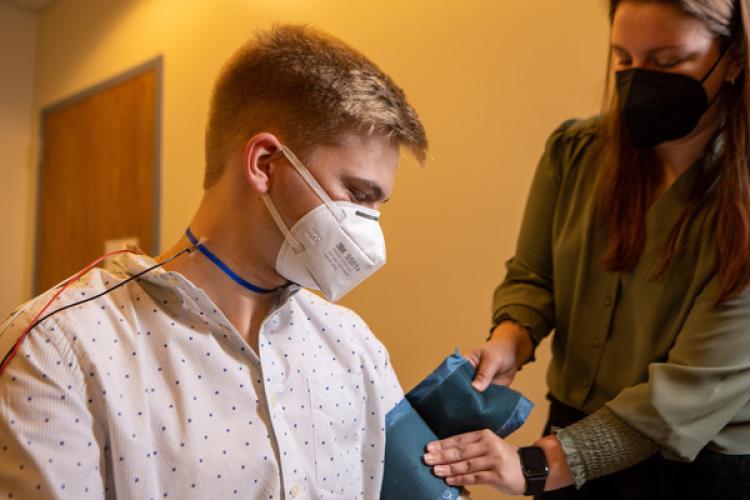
[257, 165]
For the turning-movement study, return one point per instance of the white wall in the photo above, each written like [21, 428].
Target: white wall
[17, 59]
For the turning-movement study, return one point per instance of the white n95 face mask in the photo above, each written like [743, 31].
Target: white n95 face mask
[332, 248]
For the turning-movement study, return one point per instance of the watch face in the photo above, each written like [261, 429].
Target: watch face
[533, 461]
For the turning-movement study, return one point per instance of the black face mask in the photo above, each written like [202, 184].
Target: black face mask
[658, 106]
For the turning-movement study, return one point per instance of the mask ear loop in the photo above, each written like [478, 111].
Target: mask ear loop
[314, 185]
[710, 72]
[297, 246]
[713, 67]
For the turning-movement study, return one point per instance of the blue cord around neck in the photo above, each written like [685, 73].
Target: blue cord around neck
[213, 258]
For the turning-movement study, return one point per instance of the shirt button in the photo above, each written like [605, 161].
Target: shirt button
[607, 301]
[274, 401]
[294, 491]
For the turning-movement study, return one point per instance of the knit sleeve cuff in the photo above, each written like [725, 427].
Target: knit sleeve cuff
[602, 444]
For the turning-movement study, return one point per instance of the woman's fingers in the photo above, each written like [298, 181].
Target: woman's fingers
[464, 467]
[490, 363]
[456, 453]
[472, 357]
[460, 439]
[480, 457]
[484, 477]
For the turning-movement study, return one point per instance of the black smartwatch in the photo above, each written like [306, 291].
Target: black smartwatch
[535, 469]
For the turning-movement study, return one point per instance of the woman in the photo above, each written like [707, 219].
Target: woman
[635, 249]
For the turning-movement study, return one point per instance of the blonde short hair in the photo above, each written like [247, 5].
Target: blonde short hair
[312, 89]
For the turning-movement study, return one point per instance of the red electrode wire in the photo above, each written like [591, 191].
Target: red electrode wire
[72, 280]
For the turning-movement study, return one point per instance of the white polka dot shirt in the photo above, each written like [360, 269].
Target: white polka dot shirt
[149, 392]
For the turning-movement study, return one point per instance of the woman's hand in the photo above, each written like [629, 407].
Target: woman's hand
[479, 457]
[482, 457]
[498, 360]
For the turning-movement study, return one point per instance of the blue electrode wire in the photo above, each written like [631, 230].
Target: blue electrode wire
[213, 258]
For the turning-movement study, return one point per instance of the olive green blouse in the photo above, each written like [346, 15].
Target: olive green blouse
[658, 354]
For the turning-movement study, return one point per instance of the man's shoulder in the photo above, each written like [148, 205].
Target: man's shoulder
[319, 306]
[73, 305]
[340, 318]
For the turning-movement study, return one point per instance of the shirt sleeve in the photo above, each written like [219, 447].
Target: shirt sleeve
[391, 392]
[526, 294]
[704, 382]
[602, 444]
[50, 446]
[685, 402]
[391, 387]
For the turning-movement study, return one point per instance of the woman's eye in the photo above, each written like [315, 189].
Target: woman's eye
[668, 63]
[623, 63]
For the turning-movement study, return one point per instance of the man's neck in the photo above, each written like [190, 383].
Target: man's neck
[244, 308]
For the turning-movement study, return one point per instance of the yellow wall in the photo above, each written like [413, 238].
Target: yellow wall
[17, 44]
[491, 79]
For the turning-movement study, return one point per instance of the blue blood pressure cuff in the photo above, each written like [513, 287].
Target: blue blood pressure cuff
[442, 405]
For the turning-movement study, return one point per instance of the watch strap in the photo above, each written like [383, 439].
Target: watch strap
[535, 469]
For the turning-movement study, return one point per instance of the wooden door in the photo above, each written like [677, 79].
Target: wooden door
[98, 174]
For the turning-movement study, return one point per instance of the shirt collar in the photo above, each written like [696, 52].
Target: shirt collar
[135, 262]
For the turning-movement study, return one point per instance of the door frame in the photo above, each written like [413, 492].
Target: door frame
[157, 65]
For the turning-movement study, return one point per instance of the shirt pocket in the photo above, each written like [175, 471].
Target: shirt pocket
[337, 406]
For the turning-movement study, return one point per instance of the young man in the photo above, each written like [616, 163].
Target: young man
[216, 375]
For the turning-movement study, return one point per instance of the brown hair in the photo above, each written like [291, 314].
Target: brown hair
[628, 180]
[310, 87]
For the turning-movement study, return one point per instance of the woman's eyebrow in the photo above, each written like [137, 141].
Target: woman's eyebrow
[651, 51]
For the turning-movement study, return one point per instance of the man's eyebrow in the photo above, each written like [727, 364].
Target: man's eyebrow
[366, 184]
